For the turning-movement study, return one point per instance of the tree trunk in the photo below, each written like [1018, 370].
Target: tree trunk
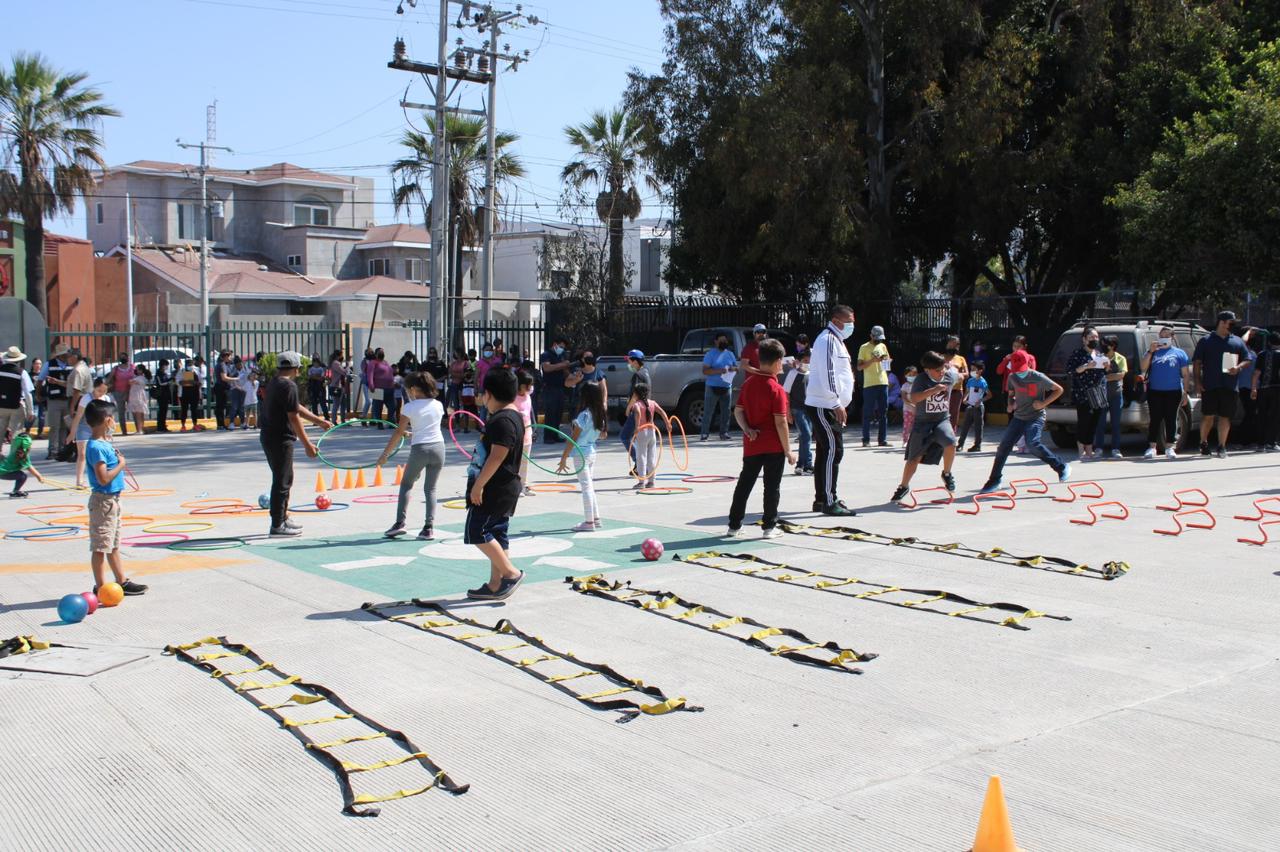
[37, 294]
[879, 232]
[617, 287]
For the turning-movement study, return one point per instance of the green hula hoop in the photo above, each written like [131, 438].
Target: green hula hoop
[324, 461]
[225, 543]
[581, 455]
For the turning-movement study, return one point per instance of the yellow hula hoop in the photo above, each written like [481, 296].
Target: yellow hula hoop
[454, 504]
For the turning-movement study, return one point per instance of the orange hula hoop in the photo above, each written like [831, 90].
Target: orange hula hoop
[657, 461]
[671, 439]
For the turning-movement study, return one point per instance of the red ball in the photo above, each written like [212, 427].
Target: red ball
[92, 600]
[651, 549]
[323, 502]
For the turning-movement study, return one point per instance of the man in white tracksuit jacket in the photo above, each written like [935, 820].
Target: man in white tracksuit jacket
[829, 394]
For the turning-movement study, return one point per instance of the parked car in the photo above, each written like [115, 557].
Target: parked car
[677, 380]
[1134, 337]
[149, 358]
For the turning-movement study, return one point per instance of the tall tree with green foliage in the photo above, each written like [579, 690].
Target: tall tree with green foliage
[610, 154]
[50, 149]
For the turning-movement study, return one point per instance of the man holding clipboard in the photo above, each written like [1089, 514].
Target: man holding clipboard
[1216, 362]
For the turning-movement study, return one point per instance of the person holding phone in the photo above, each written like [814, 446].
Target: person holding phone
[1166, 366]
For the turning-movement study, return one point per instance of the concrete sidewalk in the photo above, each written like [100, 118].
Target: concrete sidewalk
[1146, 722]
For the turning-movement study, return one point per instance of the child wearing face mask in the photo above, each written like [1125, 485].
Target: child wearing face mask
[1032, 393]
[908, 407]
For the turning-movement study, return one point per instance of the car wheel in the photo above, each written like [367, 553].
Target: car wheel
[1183, 440]
[1063, 439]
[690, 412]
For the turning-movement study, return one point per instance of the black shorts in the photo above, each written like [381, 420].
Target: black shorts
[1219, 402]
[482, 528]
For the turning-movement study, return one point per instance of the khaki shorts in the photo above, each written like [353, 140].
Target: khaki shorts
[104, 523]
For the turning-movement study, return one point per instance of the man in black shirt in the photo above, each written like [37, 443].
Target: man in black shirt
[281, 421]
[555, 367]
[493, 485]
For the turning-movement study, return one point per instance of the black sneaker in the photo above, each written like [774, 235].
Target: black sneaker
[899, 493]
[396, 530]
[508, 587]
[866, 443]
[1222, 454]
[505, 588]
[1204, 448]
[284, 532]
[882, 443]
[426, 534]
[18, 495]
[132, 588]
[949, 480]
[976, 448]
[818, 505]
[838, 509]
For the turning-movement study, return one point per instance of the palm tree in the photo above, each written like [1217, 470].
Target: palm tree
[611, 154]
[411, 180]
[49, 145]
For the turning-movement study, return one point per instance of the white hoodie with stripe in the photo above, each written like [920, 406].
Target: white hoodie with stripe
[830, 371]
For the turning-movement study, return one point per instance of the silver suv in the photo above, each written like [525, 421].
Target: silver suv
[1135, 338]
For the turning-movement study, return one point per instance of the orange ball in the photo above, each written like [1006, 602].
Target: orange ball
[323, 502]
[110, 594]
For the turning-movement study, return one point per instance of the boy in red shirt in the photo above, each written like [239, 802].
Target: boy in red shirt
[761, 412]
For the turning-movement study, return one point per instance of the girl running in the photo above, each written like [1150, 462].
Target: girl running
[588, 427]
[645, 440]
[421, 417]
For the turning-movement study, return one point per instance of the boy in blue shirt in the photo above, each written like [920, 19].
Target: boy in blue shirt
[976, 394]
[106, 478]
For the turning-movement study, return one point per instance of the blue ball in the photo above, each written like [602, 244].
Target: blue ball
[73, 608]
[264, 501]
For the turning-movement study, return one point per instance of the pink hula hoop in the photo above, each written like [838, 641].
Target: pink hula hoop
[454, 438]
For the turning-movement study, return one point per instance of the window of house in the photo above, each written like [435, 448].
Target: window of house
[413, 269]
[189, 221]
[379, 266]
[294, 261]
[310, 214]
[560, 279]
[97, 212]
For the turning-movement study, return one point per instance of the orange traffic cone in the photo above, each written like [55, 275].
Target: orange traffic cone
[335, 485]
[349, 483]
[319, 483]
[377, 478]
[399, 474]
[995, 834]
[360, 479]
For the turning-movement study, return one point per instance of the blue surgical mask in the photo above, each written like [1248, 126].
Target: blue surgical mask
[559, 350]
[847, 331]
[1022, 374]
[488, 353]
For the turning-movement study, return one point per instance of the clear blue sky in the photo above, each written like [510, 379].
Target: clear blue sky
[305, 81]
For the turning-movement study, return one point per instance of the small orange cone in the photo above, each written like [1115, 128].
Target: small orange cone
[319, 483]
[349, 483]
[377, 478]
[360, 479]
[335, 485]
[399, 474]
[995, 834]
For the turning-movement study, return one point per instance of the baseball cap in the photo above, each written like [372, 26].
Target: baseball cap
[60, 350]
[289, 359]
[636, 354]
[877, 332]
[759, 327]
[1019, 361]
[1227, 316]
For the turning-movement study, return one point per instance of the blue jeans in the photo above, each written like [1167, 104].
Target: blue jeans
[1115, 403]
[805, 430]
[237, 407]
[710, 401]
[875, 409]
[1031, 430]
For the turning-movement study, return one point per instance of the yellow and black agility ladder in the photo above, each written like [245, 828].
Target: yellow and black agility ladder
[314, 697]
[564, 667]
[1054, 564]
[698, 615]
[749, 565]
[24, 645]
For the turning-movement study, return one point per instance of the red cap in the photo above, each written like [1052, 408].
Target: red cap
[1019, 361]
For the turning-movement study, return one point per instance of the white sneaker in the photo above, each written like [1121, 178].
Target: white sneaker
[585, 526]
[732, 533]
[1150, 453]
[1170, 453]
[772, 532]
[597, 523]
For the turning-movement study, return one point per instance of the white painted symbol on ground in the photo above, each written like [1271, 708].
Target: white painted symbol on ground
[614, 533]
[521, 546]
[573, 563]
[372, 562]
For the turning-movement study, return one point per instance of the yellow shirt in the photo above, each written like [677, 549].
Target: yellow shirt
[960, 365]
[877, 373]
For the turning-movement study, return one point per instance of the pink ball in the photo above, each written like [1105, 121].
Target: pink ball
[323, 502]
[651, 549]
[92, 600]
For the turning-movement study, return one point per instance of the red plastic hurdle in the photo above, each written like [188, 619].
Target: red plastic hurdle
[914, 502]
[1180, 527]
[990, 496]
[1042, 489]
[1262, 530]
[1257, 505]
[1076, 488]
[1095, 515]
[1182, 503]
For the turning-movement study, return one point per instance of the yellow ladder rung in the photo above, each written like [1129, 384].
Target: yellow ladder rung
[295, 723]
[395, 761]
[501, 650]
[298, 699]
[359, 739]
[533, 661]
[564, 677]
[728, 622]
[253, 685]
[366, 799]
[606, 693]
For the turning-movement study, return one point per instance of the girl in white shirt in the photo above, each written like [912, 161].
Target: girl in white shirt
[420, 417]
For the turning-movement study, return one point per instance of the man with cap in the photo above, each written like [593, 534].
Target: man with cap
[749, 360]
[873, 361]
[281, 424]
[15, 395]
[1216, 362]
[56, 375]
[827, 397]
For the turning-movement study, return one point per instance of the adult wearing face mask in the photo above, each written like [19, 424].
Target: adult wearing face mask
[1166, 367]
[1265, 390]
[366, 389]
[1217, 362]
[718, 368]
[1032, 392]
[118, 382]
[1088, 367]
[827, 399]
[554, 364]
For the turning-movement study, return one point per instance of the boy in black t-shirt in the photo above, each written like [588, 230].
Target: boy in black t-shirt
[493, 485]
[281, 419]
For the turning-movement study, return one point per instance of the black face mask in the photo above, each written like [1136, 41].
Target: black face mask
[953, 349]
[1092, 344]
[723, 344]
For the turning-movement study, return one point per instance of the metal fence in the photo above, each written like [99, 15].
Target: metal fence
[529, 337]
